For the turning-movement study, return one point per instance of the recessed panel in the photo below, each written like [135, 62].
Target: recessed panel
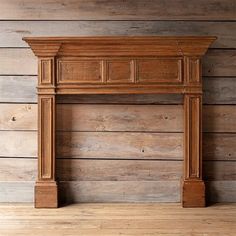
[120, 72]
[80, 71]
[159, 71]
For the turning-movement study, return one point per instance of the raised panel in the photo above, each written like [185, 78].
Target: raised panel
[46, 136]
[193, 149]
[120, 71]
[46, 71]
[159, 71]
[79, 71]
[193, 70]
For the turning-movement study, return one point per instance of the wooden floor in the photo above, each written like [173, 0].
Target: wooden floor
[117, 219]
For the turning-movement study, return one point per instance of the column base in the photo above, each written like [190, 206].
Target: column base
[46, 194]
[193, 194]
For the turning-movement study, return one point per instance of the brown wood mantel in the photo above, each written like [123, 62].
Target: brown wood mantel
[120, 65]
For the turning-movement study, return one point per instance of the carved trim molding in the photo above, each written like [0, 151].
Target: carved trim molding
[120, 65]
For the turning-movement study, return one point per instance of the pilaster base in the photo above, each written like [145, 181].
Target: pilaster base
[46, 194]
[193, 194]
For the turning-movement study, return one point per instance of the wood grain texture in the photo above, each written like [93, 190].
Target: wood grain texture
[15, 88]
[219, 146]
[11, 32]
[219, 118]
[24, 144]
[119, 191]
[18, 89]
[118, 170]
[215, 63]
[113, 170]
[118, 219]
[221, 191]
[98, 191]
[16, 191]
[124, 145]
[18, 144]
[154, 118]
[217, 90]
[220, 170]
[94, 117]
[17, 62]
[219, 63]
[93, 170]
[18, 169]
[116, 10]
[18, 117]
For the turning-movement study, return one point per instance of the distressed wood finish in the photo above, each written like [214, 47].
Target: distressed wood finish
[116, 10]
[25, 62]
[11, 32]
[217, 90]
[90, 65]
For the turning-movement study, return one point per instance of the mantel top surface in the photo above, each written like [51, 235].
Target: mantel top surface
[124, 39]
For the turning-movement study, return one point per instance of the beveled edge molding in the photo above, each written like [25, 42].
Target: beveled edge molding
[120, 45]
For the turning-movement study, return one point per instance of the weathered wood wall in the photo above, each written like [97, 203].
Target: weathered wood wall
[117, 148]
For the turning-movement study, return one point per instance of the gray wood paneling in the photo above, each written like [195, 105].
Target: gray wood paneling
[22, 89]
[21, 61]
[11, 32]
[120, 191]
[116, 179]
[118, 10]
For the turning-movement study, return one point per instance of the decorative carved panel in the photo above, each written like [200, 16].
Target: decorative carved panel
[120, 65]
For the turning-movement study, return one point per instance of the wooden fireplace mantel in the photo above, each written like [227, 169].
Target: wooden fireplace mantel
[120, 65]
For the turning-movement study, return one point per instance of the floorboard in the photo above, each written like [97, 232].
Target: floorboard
[118, 219]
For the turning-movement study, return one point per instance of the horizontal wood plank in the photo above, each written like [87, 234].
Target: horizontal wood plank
[18, 169]
[18, 116]
[21, 61]
[18, 89]
[120, 118]
[221, 191]
[120, 191]
[99, 117]
[219, 118]
[18, 144]
[116, 10]
[106, 191]
[219, 170]
[117, 145]
[219, 63]
[25, 169]
[218, 146]
[17, 191]
[12, 32]
[118, 170]
[217, 90]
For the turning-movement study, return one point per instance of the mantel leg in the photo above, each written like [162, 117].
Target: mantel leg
[46, 187]
[193, 186]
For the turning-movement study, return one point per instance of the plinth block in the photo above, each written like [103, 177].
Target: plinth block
[193, 193]
[46, 195]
